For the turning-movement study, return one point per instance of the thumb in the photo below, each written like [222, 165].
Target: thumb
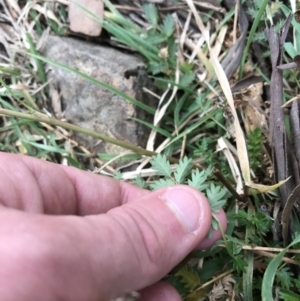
[141, 241]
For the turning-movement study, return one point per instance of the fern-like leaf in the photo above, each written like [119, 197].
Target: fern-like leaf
[215, 195]
[161, 183]
[189, 277]
[118, 175]
[139, 181]
[168, 26]
[158, 67]
[161, 164]
[288, 295]
[151, 14]
[183, 169]
[198, 179]
[187, 79]
[284, 277]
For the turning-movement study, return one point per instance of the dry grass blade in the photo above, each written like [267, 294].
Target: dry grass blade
[289, 103]
[216, 49]
[159, 113]
[162, 108]
[223, 146]
[240, 138]
[286, 214]
[46, 12]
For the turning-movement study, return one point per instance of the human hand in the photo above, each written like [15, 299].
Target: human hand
[67, 234]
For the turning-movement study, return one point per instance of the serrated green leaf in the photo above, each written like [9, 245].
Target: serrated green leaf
[139, 182]
[187, 79]
[151, 14]
[288, 295]
[217, 206]
[215, 192]
[284, 277]
[198, 179]
[157, 67]
[239, 263]
[297, 283]
[155, 39]
[161, 183]
[161, 164]
[118, 175]
[215, 195]
[183, 169]
[214, 224]
[189, 277]
[168, 26]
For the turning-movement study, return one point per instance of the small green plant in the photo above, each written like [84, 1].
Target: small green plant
[186, 174]
[288, 295]
[156, 44]
[139, 181]
[237, 257]
[259, 220]
[284, 277]
[271, 11]
[255, 145]
[274, 8]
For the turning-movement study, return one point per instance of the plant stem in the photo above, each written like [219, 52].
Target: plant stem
[39, 117]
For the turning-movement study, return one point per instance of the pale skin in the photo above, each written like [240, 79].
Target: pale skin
[72, 235]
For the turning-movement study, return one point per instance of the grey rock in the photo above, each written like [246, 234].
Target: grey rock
[92, 107]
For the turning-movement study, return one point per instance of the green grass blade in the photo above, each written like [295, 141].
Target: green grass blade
[48, 148]
[251, 35]
[178, 108]
[132, 40]
[10, 71]
[193, 127]
[153, 127]
[40, 67]
[249, 259]
[226, 18]
[270, 272]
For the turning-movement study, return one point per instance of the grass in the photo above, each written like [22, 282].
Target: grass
[199, 131]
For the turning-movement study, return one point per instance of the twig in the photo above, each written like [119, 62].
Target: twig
[161, 9]
[267, 249]
[291, 65]
[226, 183]
[284, 259]
[262, 251]
[214, 279]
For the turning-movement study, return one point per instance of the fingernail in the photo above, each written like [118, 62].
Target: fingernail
[186, 205]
